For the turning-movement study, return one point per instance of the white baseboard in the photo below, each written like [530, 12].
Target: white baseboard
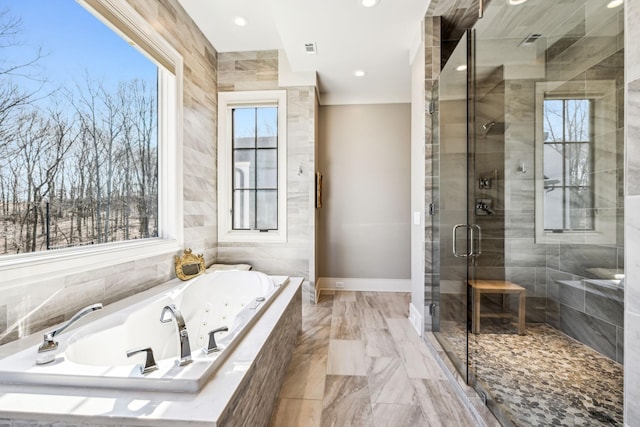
[358, 284]
[361, 285]
[416, 319]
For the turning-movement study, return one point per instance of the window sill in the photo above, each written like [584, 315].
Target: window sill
[577, 237]
[252, 237]
[33, 267]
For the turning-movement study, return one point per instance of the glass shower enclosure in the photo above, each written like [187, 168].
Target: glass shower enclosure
[528, 225]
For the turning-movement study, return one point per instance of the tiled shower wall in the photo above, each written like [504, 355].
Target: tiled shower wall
[554, 273]
[489, 164]
[632, 224]
[240, 71]
[27, 307]
[432, 234]
[587, 312]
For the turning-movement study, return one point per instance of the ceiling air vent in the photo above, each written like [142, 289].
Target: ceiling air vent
[310, 48]
[530, 39]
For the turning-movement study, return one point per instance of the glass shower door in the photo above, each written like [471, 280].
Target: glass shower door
[457, 242]
[528, 152]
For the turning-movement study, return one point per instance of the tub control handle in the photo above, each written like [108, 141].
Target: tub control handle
[212, 346]
[149, 363]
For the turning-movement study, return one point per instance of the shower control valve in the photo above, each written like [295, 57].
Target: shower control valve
[484, 183]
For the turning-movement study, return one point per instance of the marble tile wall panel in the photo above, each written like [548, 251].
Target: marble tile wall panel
[632, 226]
[583, 260]
[597, 334]
[432, 37]
[254, 70]
[570, 293]
[256, 397]
[42, 304]
[258, 70]
[605, 303]
[633, 131]
[575, 261]
[3, 317]
[620, 345]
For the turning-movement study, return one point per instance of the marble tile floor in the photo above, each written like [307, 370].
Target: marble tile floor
[545, 377]
[359, 363]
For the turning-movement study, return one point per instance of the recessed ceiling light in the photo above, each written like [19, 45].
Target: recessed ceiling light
[461, 67]
[369, 3]
[516, 2]
[359, 73]
[239, 21]
[614, 3]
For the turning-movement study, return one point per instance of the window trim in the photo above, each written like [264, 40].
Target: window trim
[32, 267]
[603, 93]
[227, 101]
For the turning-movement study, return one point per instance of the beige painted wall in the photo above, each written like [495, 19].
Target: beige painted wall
[365, 217]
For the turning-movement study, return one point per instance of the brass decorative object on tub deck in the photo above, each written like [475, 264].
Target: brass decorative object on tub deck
[189, 265]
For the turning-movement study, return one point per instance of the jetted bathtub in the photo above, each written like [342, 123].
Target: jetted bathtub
[95, 354]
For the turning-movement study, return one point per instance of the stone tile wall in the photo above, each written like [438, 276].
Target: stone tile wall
[554, 273]
[489, 100]
[456, 17]
[256, 397]
[26, 308]
[432, 32]
[632, 225]
[525, 261]
[241, 71]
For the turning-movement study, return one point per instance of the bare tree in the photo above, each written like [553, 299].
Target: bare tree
[140, 142]
[42, 145]
[568, 132]
[14, 97]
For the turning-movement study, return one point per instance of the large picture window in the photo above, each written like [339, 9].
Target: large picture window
[89, 149]
[78, 134]
[252, 166]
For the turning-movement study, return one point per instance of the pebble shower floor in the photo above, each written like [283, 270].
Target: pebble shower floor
[545, 378]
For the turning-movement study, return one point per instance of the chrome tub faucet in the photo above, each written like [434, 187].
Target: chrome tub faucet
[49, 344]
[183, 335]
[212, 346]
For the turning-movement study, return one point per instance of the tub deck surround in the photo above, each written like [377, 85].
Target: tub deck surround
[95, 355]
[218, 403]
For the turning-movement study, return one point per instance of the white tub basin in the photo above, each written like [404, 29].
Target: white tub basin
[95, 354]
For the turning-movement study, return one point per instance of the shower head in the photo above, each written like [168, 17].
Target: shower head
[488, 125]
[493, 128]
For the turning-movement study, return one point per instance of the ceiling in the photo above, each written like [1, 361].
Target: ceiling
[501, 40]
[348, 37]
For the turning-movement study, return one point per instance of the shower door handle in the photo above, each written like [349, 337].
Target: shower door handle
[455, 245]
[473, 252]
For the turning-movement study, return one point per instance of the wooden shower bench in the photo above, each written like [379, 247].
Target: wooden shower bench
[504, 288]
